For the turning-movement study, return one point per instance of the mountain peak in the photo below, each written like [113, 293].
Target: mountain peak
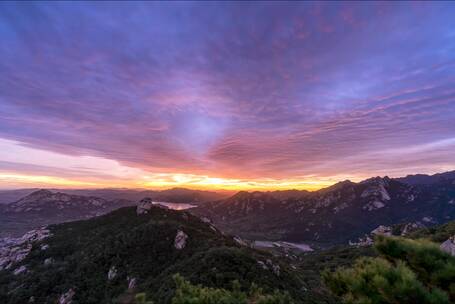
[39, 194]
[377, 180]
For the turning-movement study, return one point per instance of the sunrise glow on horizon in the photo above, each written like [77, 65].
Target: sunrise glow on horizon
[224, 96]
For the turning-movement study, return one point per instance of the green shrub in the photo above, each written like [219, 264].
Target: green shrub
[186, 293]
[407, 272]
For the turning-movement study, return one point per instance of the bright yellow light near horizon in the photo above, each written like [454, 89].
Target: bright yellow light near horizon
[168, 180]
[42, 179]
[217, 183]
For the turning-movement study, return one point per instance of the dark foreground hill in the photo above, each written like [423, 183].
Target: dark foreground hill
[109, 258]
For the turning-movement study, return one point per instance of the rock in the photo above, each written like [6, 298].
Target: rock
[428, 219]
[206, 220]
[410, 227]
[377, 188]
[382, 230]
[112, 274]
[363, 241]
[275, 268]
[374, 205]
[262, 264]
[131, 283]
[449, 246]
[14, 250]
[240, 241]
[20, 270]
[180, 240]
[67, 297]
[48, 261]
[144, 206]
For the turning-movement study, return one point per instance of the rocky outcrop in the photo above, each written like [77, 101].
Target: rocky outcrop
[449, 246]
[376, 193]
[240, 241]
[112, 273]
[20, 270]
[411, 227]
[373, 205]
[367, 240]
[14, 250]
[429, 219]
[180, 240]
[44, 247]
[67, 297]
[131, 283]
[362, 242]
[269, 265]
[144, 206]
[382, 230]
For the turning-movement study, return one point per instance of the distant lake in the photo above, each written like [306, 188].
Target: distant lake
[175, 206]
[269, 244]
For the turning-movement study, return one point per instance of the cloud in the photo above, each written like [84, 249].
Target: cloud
[240, 91]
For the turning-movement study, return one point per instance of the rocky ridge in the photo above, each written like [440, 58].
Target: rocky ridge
[337, 214]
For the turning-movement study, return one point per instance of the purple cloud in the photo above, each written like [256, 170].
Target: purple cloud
[240, 90]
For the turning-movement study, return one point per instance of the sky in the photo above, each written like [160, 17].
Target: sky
[224, 95]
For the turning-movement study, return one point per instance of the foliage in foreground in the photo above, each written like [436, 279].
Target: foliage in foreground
[186, 293]
[407, 272]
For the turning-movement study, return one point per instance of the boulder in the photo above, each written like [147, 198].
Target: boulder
[449, 246]
[240, 241]
[274, 267]
[144, 206]
[20, 270]
[382, 230]
[262, 264]
[44, 247]
[180, 240]
[131, 283]
[67, 297]
[112, 274]
[411, 227]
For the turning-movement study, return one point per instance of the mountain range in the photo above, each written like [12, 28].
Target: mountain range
[45, 207]
[337, 214]
[31, 208]
[175, 195]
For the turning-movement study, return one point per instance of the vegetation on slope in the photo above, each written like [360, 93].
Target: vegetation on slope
[187, 293]
[406, 272]
[142, 246]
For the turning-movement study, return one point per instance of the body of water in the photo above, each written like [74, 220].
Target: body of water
[270, 244]
[175, 206]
